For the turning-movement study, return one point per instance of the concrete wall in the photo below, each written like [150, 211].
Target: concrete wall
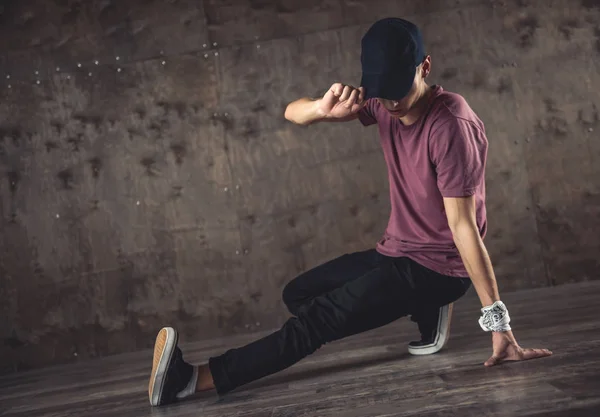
[162, 185]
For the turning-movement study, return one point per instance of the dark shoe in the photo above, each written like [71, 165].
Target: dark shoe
[435, 331]
[170, 373]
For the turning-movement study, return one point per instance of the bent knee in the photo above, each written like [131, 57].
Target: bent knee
[290, 298]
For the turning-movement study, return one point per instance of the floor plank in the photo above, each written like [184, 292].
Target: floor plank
[366, 375]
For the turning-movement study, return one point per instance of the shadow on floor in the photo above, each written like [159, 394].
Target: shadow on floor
[314, 373]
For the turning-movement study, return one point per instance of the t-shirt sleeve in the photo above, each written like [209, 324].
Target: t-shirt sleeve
[458, 150]
[368, 114]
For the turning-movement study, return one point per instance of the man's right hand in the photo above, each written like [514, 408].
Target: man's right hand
[341, 101]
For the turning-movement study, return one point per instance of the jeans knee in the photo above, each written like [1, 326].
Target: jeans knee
[289, 299]
[307, 338]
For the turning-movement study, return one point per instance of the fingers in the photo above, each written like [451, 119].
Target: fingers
[492, 361]
[361, 96]
[347, 94]
[352, 99]
[522, 355]
[337, 89]
[535, 353]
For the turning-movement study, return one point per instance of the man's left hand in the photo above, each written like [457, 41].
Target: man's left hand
[506, 348]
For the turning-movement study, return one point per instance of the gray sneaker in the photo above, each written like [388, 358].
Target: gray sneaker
[434, 326]
[170, 373]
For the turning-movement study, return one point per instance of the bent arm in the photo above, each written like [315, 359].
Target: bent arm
[305, 111]
[339, 104]
[461, 218]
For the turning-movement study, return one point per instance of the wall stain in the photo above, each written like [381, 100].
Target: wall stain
[13, 341]
[176, 191]
[566, 27]
[70, 17]
[179, 107]
[554, 123]
[140, 112]
[250, 129]
[479, 80]
[96, 166]
[526, 28]
[13, 134]
[449, 73]
[13, 178]
[179, 151]
[89, 120]
[66, 178]
[504, 85]
[50, 145]
[149, 163]
[75, 142]
[591, 4]
[259, 106]
[588, 116]
[131, 132]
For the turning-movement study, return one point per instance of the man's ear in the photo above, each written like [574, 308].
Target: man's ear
[426, 66]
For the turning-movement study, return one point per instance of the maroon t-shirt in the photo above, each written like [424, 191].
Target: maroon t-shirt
[442, 154]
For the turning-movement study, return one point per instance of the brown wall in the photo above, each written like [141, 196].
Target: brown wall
[178, 194]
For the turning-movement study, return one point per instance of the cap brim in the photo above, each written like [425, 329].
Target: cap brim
[393, 86]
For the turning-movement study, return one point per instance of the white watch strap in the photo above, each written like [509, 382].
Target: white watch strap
[495, 318]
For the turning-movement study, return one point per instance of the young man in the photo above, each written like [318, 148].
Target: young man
[435, 149]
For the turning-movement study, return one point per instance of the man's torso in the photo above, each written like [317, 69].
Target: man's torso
[418, 226]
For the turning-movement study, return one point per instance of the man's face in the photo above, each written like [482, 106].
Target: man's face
[400, 108]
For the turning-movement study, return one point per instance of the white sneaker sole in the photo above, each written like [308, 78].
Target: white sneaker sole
[166, 340]
[442, 334]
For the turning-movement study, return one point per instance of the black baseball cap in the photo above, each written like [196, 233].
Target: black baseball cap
[392, 49]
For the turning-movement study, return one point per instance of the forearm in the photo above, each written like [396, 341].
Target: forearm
[477, 262]
[461, 219]
[304, 111]
[479, 267]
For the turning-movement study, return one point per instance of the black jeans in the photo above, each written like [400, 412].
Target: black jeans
[348, 295]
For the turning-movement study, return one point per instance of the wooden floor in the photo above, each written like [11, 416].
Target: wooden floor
[367, 375]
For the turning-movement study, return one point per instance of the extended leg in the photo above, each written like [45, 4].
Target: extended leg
[373, 300]
[393, 289]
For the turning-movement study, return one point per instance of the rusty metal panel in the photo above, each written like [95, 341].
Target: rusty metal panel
[304, 191]
[241, 21]
[562, 155]
[70, 32]
[25, 24]
[113, 201]
[557, 118]
[264, 147]
[367, 11]
[163, 28]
